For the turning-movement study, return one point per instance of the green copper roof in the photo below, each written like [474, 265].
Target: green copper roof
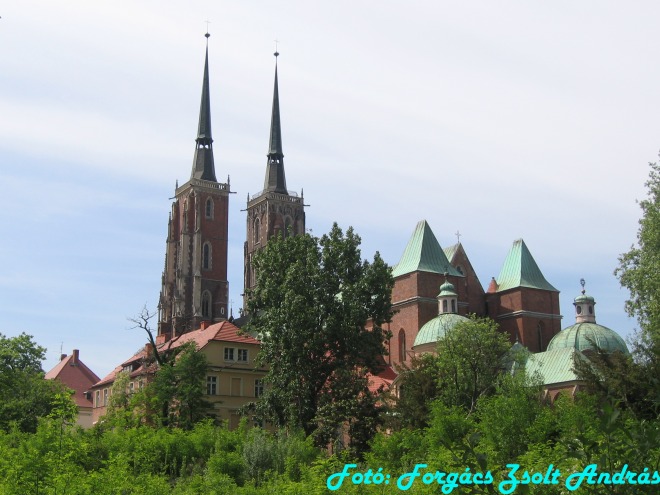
[203, 166]
[520, 270]
[447, 289]
[584, 336]
[435, 329]
[555, 366]
[450, 251]
[423, 253]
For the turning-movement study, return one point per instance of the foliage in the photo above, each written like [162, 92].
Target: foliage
[639, 268]
[311, 312]
[24, 394]
[418, 387]
[469, 359]
[178, 387]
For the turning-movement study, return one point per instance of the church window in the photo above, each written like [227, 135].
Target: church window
[206, 304]
[578, 309]
[206, 256]
[444, 306]
[453, 305]
[211, 385]
[540, 327]
[209, 208]
[288, 229]
[257, 231]
[591, 309]
[402, 345]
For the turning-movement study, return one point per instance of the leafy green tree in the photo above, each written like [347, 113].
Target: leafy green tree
[639, 268]
[177, 389]
[318, 309]
[469, 359]
[418, 387]
[24, 394]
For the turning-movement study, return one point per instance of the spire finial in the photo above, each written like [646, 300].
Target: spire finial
[458, 237]
[582, 283]
[207, 35]
[277, 54]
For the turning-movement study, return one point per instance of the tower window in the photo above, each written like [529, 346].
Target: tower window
[540, 327]
[402, 345]
[209, 208]
[444, 306]
[206, 256]
[288, 230]
[257, 231]
[206, 304]
[453, 305]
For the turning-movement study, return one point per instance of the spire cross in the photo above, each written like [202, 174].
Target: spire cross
[458, 237]
[276, 52]
[207, 28]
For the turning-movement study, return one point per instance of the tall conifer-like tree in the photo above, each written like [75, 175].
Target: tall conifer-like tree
[319, 310]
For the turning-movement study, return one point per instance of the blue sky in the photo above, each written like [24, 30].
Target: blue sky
[500, 119]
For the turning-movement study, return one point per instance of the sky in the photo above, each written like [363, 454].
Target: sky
[499, 120]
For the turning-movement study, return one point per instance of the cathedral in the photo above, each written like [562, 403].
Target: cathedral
[434, 287]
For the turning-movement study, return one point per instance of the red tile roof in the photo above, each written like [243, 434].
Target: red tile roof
[384, 379]
[224, 331]
[73, 373]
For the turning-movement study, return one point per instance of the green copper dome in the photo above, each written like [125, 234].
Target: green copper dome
[585, 336]
[584, 299]
[435, 329]
[447, 289]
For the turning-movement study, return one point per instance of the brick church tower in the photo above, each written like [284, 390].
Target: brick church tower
[274, 210]
[194, 282]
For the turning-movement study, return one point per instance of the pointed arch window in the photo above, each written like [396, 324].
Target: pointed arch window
[257, 231]
[288, 227]
[206, 304]
[209, 209]
[540, 328]
[402, 345]
[207, 256]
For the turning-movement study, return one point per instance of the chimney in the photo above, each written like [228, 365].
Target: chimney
[204, 324]
[74, 357]
[62, 357]
[148, 349]
[161, 339]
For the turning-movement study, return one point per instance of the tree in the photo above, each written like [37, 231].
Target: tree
[469, 359]
[418, 387]
[639, 268]
[310, 307]
[24, 394]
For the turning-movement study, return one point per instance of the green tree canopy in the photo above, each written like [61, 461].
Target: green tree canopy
[24, 394]
[311, 306]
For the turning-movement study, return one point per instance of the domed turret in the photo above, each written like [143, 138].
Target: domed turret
[586, 334]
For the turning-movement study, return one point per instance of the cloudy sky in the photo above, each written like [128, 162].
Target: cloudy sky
[500, 120]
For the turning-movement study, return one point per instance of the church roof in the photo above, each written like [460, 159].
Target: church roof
[520, 270]
[275, 178]
[588, 336]
[203, 166]
[436, 329]
[423, 253]
[451, 251]
[553, 366]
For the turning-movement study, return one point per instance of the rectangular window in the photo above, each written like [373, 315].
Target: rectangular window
[131, 387]
[98, 398]
[105, 396]
[258, 388]
[229, 353]
[211, 385]
[236, 387]
[140, 383]
[243, 355]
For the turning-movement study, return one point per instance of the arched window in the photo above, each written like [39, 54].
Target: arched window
[540, 327]
[206, 304]
[453, 305]
[206, 256]
[402, 345]
[444, 306]
[209, 208]
[257, 231]
[288, 229]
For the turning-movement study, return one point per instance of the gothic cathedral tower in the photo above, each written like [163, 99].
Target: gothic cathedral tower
[274, 210]
[195, 286]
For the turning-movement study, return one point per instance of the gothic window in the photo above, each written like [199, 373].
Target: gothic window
[209, 208]
[257, 231]
[288, 229]
[206, 256]
[206, 304]
[402, 345]
[540, 327]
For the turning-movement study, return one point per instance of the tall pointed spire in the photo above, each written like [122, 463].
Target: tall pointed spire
[275, 179]
[203, 167]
